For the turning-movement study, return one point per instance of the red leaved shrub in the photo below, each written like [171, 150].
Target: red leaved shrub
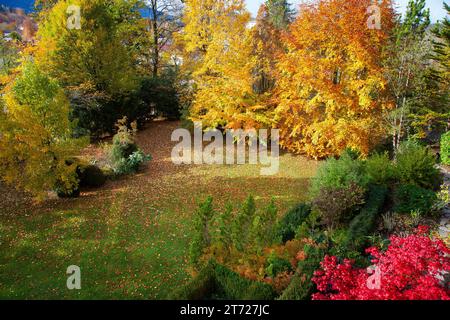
[410, 269]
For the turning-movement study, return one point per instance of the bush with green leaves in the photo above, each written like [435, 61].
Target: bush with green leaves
[161, 94]
[338, 206]
[408, 198]
[276, 265]
[132, 163]
[414, 164]
[339, 173]
[247, 230]
[380, 169]
[288, 225]
[263, 229]
[125, 154]
[445, 148]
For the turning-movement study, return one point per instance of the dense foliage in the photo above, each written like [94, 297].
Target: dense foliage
[37, 139]
[215, 281]
[445, 148]
[410, 269]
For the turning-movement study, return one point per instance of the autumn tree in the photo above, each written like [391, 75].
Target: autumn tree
[332, 88]
[96, 63]
[36, 142]
[9, 52]
[216, 52]
[267, 47]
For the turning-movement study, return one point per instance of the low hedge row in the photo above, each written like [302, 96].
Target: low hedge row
[215, 281]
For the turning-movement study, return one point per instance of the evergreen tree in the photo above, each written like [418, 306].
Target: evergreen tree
[416, 20]
[280, 12]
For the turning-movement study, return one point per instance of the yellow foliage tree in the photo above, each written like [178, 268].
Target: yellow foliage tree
[331, 88]
[36, 143]
[217, 52]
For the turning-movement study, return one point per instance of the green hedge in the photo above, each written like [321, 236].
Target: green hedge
[218, 282]
[289, 224]
[445, 148]
[365, 222]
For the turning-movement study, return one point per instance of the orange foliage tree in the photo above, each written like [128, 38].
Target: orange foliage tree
[331, 88]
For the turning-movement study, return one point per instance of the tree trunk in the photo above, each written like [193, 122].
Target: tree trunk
[155, 53]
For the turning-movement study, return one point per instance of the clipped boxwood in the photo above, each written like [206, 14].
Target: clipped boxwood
[289, 224]
[445, 148]
[215, 281]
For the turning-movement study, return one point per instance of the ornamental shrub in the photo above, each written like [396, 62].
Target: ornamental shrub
[301, 286]
[289, 224]
[215, 281]
[338, 174]
[409, 198]
[125, 154]
[408, 270]
[364, 223]
[201, 238]
[338, 205]
[445, 148]
[380, 169]
[276, 265]
[416, 165]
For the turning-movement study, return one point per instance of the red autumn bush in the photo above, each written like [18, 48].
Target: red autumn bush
[408, 270]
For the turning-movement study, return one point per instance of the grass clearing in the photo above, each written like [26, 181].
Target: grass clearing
[131, 237]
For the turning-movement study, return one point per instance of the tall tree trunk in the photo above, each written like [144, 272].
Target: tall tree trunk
[155, 53]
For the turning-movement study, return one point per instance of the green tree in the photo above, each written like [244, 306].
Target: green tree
[416, 19]
[36, 144]
[408, 70]
[280, 12]
[242, 224]
[96, 64]
[441, 48]
[201, 238]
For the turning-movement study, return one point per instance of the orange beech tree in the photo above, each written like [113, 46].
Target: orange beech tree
[331, 89]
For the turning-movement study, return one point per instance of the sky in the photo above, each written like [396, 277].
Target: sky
[436, 7]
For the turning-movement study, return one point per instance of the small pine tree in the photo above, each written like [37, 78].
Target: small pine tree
[201, 238]
[242, 224]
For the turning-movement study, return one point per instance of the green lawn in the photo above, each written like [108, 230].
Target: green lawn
[130, 238]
